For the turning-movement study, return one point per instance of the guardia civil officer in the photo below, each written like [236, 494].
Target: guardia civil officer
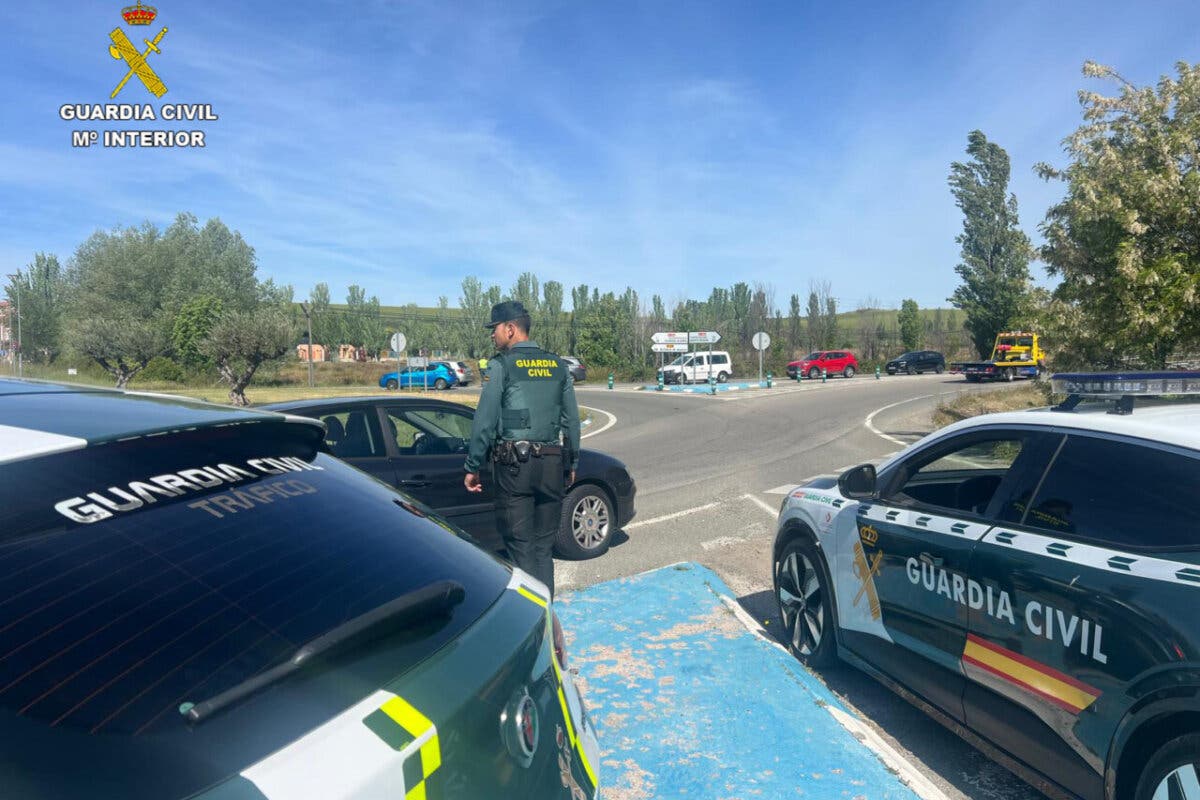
[527, 414]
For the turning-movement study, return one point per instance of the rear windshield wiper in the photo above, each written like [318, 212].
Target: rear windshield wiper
[416, 606]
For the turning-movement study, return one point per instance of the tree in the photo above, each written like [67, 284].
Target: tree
[118, 315]
[1125, 240]
[816, 325]
[793, 328]
[192, 324]
[911, 326]
[43, 289]
[241, 341]
[995, 252]
[120, 344]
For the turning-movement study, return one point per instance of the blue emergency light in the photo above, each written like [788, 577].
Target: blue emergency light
[1122, 386]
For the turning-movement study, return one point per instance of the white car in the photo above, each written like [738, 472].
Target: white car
[698, 367]
[1029, 579]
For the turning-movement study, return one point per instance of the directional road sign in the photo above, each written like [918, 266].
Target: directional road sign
[668, 347]
[703, 337]
[672, 337]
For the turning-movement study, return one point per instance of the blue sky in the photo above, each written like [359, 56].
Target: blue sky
[669, 146]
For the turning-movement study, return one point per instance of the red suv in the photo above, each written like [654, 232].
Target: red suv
[831, 361]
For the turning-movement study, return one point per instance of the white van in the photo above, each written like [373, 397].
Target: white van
[698, 366]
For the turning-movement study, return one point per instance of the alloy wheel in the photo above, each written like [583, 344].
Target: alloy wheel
[1182, 783]
[590, 521]
[802, 603]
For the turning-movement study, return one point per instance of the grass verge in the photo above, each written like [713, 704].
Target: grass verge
[1035, 394]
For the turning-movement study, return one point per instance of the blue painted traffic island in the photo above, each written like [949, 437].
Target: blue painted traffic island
[703, 388]
[691, 702]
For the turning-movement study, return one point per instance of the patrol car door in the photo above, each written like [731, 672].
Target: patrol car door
[1102, 591]
[917, 541]
[430, 448]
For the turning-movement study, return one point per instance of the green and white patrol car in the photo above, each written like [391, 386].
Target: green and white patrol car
[197, 602]
[1030, 579]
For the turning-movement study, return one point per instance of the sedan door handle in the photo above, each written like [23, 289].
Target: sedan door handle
[415, 484]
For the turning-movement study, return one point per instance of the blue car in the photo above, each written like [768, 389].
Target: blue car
[437, 375]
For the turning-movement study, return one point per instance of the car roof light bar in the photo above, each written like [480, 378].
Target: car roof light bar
[1122, 387]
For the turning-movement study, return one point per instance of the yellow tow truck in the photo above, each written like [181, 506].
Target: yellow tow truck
[1016, 354]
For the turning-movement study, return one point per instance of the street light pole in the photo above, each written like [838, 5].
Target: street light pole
[308, 317]
[16, 279]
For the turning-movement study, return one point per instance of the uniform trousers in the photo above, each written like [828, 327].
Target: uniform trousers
[528, 510]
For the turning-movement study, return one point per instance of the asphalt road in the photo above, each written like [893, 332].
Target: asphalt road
[711, 473]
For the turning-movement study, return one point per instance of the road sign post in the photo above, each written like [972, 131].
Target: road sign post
[761, 341]
[398, 342]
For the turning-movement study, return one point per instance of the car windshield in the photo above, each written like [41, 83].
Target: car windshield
[909, 355]
[812, 356]
[681, 361]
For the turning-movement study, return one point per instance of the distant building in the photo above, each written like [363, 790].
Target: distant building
[318, 352]
[348, 352]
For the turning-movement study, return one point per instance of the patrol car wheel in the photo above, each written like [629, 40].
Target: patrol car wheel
[392, 384]
[1173, 773]
[586, 527]
[440, 384]
[802, 591]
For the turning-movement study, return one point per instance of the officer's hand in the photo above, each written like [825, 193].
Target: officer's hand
[472, 482]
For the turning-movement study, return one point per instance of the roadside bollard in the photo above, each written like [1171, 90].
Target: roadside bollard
[824, 376]
[712, 385]
[660, 380]
[876, 373]
[610, 380]
[769, 379]
[799, 375]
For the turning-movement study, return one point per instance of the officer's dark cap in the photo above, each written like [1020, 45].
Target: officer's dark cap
[508, 311]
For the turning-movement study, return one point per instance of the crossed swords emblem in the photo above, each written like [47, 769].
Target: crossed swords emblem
[123, 49]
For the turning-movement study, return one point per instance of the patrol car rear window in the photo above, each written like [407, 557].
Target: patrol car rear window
[125, 603]
[1120, 493]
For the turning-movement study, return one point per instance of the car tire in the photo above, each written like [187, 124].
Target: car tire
[939, 369]
[722, 377]
[586, 526]
[805, 600]
[910, 370]
[814, 373]
[848, 372]
[1172, 770]
[1009, 374]
[392, 384]
[440, 383]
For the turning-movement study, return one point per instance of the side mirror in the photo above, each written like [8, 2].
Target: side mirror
[858, 483]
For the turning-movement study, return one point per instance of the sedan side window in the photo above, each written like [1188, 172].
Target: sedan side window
[348, 434]
[430, 431]
[963, 477]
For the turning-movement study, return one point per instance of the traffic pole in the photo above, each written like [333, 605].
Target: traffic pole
[769, 379]
[610, 380]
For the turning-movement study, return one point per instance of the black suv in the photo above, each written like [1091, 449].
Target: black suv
[916, 362]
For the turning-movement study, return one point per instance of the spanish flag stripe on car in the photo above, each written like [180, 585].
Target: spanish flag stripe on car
[1045, 682]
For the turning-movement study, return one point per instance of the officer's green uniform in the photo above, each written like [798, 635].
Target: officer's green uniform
[529, 398]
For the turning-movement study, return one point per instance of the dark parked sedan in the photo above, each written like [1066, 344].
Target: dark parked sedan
[916, 362]
[418, 445]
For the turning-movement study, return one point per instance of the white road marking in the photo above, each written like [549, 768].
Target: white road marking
[785, 488]
[667, 517]
[773, 512]
[877, 432]
[921, 785]
[722, 541]
[612, 420]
